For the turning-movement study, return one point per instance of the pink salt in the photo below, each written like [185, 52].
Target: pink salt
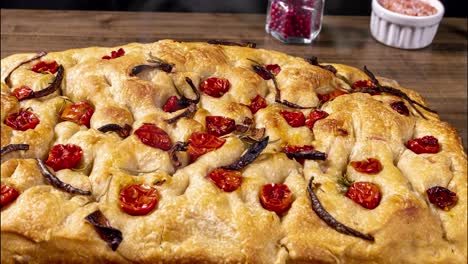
[409, 7]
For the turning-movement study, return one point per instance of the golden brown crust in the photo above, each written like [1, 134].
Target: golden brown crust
[197, 222]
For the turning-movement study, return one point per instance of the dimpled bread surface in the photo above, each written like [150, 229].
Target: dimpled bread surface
[195, 221]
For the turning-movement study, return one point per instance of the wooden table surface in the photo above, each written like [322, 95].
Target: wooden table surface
[438, 72]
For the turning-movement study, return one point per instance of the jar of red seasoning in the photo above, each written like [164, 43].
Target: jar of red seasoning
[294, 21]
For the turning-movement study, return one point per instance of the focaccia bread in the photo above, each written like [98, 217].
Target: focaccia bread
[215, 152]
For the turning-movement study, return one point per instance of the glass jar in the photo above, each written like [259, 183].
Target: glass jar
[294, 21]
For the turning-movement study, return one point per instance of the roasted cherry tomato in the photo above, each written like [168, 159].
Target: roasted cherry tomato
[276, 197]
[138, 199]
[172, 104]
[219, 126]
[23, 92]
[442, 197]
[273, 68]
[79, 113]
[9, 194]
[315, 116]
[257, 103]
[366, 194]
[153, 136]
[292, 149]
[114, 54]
[426, 144]
[23, 120]
[362, 84]
[201, 143]
[45, 67]
[226, 180]
[400, 107]
[365, 85]
[294, 119]
[330, 96]
[215, 87]
[64, 156]
[369, 166]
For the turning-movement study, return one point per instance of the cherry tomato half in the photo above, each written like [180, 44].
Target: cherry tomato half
[369, 166]
[22, 93]
[226, 180]
[330, 96]
[294, 119]
[114, 54]
[153, 136]
[64, 156]
[215, 87]
[426, 144]
[22, 120]
[276, 197]
[442, 197]
[172, 104]
[79, 113]
[400, 107]
[45, 67]
[365, 85]
[366, 194]
[138, 199]
[219, 126]
[257, 103]
[9, 194]
[315, 116]
[201, 143]
[362, 84]
[273, 68]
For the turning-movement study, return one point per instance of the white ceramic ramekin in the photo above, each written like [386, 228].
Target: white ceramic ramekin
[403, 31]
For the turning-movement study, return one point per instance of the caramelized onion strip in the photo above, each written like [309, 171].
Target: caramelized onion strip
[330, 220]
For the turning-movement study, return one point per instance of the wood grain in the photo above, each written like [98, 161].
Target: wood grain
[438, 72]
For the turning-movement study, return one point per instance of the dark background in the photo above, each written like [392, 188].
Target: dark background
[454, 8]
